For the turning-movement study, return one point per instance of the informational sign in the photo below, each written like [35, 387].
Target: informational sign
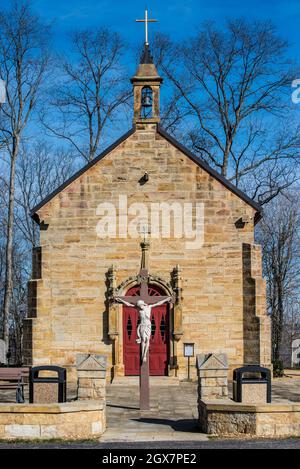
[189, 350]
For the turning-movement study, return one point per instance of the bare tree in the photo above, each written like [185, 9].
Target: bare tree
[91, 93]
[234, 89]
[291, 327]
[23, 64]
[279, 235]
[3, 230]
[41, 168]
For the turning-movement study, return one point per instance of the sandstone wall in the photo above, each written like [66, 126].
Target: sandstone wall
[223, 293]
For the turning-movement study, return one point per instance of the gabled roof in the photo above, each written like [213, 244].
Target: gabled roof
[176, 144]
[209, 170]
[79, 173]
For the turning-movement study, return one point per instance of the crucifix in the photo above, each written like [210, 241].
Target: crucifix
[146, 21]
[144, 304]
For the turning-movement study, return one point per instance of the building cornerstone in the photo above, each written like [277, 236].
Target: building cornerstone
[91, 371]
[212, 376]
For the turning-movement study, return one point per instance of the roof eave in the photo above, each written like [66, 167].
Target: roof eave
[33, 213]
[212, 172]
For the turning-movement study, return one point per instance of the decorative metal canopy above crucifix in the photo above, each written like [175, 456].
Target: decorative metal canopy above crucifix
[143, 277]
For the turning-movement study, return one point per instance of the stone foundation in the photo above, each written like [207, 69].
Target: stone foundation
[71, 421]
[232, 418]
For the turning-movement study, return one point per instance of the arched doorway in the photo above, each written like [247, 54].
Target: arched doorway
[159, 343]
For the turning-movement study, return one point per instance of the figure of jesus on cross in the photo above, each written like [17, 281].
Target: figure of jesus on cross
[144, 328]
[144, 303]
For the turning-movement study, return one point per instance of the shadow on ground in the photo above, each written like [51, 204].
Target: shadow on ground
[122, 407]
[183, 425]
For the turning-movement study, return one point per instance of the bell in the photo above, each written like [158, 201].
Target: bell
[147, 101]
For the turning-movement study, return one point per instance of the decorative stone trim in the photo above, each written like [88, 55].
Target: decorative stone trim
[176, 284]
[161, 281]
[126, 283]
[172, 287]
[112, 309]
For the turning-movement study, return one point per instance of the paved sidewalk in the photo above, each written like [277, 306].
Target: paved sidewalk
[287, 388]
[173, 414]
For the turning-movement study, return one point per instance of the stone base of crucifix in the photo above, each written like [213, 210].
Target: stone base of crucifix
[144, 385]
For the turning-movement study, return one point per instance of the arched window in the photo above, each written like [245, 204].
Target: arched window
[147, 103]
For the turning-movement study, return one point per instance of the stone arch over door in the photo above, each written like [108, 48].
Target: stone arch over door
[115, 315]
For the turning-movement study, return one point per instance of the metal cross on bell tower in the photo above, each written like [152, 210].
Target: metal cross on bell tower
[146, 20]
[146, 83]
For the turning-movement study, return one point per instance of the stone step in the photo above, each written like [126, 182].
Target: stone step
[154, 381]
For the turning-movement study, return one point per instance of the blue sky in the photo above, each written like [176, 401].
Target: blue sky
[179, 18]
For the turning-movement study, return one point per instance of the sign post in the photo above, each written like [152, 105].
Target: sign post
[189, 352]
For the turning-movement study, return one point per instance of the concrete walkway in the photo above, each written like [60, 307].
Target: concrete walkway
[287, 388]
[173, 414]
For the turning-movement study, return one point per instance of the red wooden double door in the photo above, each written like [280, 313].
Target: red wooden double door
[159, 342]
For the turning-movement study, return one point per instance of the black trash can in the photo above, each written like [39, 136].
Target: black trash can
[252, 385]
[47, 389]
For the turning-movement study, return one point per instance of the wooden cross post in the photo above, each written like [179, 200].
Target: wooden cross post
[149, 300]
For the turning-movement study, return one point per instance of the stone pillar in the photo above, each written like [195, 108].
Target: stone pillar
[176, 283]
[91, 371]
[212, 376]
[113, 310]
[257, 324]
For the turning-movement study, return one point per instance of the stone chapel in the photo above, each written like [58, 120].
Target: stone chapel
[217, 285]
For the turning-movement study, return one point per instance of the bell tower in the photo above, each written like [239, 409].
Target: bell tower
[146, 85]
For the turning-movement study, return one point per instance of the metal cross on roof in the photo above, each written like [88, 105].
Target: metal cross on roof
[146, 21]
